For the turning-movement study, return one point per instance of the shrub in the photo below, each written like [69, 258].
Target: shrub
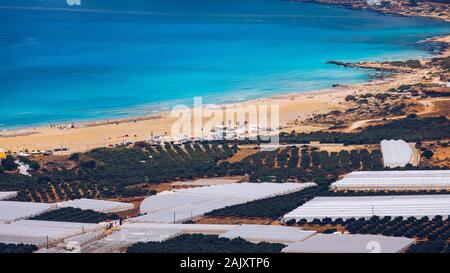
[427, 154]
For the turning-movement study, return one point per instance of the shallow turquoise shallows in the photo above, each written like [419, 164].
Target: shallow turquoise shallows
[114, 58]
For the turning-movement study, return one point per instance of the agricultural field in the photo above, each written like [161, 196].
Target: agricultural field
[273, 207]
[128, 172]
[411, 129]
[433, 235]
[305, 164]
[117, 173]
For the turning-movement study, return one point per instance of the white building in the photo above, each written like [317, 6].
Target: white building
[396, 153]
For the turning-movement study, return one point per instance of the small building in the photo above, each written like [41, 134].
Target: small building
[396, 153]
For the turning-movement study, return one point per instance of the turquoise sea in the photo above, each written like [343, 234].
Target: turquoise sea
[114, 58]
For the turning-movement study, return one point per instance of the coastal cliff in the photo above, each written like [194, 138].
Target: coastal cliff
[437, 9]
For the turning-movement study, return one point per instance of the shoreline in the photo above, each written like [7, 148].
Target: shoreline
[86, 135]
[293, 106]
[158, 114]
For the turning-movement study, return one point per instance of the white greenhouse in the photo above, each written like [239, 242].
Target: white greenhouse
[97, 205]
[39, 232]
[347, 243]
[268, 233]
[134, 235]
[214, 229]
[394, 181]
[12, 211]
[181, 205]
[158, 232]
[405, 206]
[5, 195]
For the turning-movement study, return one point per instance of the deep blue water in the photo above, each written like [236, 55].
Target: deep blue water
[113, 58]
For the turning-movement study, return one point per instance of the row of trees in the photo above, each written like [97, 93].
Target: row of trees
[46, 188]
[408, 129]
[424, 228]
[198, 243]
[8, 164]
[152, 164]
[104, 173]
[430, 246]
[307, 164]
[75, 215]
[19, 248]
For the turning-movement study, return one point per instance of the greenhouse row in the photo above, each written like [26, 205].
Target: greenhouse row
[268, 233]
[5, 195]
[185, 228]
[181, 205]
[416, 206]
[295, 239]
[97, 205]
[40, 232]
[348, 243]
[394, 180]
[134, 235]
[12, 211]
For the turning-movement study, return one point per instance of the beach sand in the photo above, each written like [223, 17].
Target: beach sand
[293, 109]
[83, 139]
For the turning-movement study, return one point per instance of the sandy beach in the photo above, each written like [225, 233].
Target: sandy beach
[293, 108]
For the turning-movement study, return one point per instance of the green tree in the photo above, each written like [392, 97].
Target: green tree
[9, 164]
[427, 154]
